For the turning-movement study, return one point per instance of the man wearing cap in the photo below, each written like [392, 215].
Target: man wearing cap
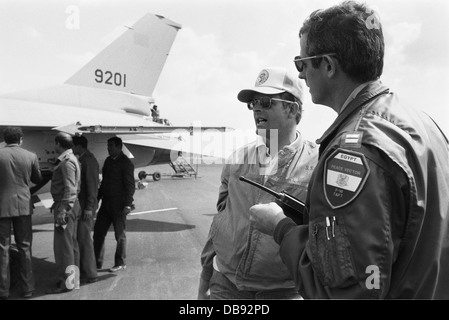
[238, 261]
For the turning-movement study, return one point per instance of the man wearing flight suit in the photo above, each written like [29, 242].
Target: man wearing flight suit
[377, 208]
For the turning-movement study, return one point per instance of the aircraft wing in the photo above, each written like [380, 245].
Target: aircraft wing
[158, 142]
[28, 114]
[133, 129]
[195, 139]
[154, 128]
[209, 144]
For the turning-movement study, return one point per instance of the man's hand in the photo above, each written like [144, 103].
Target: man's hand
[203, 290]
[265, 217]
[61, 218]
[87, 215]
[126, 210]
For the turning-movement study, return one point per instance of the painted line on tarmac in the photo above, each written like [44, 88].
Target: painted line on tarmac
[152, 211]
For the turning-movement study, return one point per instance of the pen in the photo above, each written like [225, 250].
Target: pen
[328, 224]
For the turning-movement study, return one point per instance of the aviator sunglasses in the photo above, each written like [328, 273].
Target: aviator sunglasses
[265, 102]
[299, 64]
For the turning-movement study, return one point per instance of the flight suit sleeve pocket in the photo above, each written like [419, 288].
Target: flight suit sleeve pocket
[331, 253]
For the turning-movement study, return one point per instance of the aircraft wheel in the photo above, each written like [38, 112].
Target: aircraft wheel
[156, 176]
[142, 175]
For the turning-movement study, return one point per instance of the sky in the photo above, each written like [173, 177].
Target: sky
[220, 50]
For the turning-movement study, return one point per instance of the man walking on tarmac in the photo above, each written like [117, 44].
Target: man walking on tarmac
[116, 191]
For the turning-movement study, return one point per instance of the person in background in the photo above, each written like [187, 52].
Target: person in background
[18, 169]
[155, 114]
[116, 193]
[377, 208]
[238, 261]
[65, 185]
[90, 173]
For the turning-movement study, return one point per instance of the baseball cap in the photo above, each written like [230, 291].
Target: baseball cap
[273, 80]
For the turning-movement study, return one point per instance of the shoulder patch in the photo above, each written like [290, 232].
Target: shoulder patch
[351, 139]
[345, 174]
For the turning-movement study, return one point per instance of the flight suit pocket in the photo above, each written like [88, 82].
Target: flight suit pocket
[331, 252]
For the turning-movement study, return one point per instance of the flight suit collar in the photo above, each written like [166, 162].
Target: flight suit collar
[368, 93]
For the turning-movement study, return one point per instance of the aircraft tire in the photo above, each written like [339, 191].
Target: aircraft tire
[156, 176]
[142, 175]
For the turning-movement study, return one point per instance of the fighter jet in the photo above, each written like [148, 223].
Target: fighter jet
[110, 96]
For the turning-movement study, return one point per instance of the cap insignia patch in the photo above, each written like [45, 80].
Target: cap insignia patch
[262, 78]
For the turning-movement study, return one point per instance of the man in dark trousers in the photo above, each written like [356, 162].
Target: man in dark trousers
[90, 171]
[116, 192]
[18, 167]
[65, 184]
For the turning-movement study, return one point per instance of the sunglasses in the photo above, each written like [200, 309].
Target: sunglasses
[299, 64]
[265, 102]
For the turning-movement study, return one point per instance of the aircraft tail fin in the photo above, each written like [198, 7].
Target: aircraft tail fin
[134, 61]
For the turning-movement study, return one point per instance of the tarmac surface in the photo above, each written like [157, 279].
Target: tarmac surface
[165, 236]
